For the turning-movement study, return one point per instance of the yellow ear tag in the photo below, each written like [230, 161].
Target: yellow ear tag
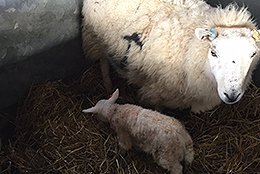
[255, 34]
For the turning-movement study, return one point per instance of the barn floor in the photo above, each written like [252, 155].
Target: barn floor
[54, 136]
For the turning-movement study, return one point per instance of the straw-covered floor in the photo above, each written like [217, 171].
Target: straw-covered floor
[54, 136]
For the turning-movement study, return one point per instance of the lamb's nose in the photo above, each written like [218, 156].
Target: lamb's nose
[232, 97]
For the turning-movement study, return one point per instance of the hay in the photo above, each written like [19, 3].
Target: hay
[227, 140]
[53, 136]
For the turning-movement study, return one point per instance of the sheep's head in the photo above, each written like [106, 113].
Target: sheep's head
[102, 106]
[232, 55]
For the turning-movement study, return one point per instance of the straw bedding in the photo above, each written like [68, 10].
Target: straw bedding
[53, 136]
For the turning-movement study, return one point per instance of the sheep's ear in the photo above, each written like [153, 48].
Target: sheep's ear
[255, 35]
[90, 110]
[114, 97]
[205, 34]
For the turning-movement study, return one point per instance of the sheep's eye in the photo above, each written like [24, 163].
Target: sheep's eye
[253, 55]
[213, 53]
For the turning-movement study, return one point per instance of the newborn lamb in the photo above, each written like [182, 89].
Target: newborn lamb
[162, 136]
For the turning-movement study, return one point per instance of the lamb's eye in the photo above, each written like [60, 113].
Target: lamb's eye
[213, 53]
[253, 55]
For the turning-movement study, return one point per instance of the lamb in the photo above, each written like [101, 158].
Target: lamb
[180, 53]
[162, 136]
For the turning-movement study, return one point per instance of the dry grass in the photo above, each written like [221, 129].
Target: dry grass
[53, 136]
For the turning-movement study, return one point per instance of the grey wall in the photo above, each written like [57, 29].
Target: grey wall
[29, 27]
[38, 40]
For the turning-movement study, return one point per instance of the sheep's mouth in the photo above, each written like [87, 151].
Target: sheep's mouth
[231, 97]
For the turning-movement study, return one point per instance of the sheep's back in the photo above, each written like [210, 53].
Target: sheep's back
[150, 129]
[109, 22]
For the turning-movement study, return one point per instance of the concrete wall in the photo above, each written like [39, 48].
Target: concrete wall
[38, 40]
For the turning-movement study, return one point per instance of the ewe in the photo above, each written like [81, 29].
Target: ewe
[181, 53]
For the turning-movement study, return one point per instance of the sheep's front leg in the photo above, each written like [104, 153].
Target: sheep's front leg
[104, 65]
[124, 141]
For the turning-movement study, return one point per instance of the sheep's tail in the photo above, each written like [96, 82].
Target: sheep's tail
[93, 51]
[91, 44]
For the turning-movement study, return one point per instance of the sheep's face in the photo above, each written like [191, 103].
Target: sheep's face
[232, 56]
[102, 106]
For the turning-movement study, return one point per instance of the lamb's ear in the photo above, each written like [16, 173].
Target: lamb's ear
[204, 34]
[255, 35]
[114, 97]
[90, 110]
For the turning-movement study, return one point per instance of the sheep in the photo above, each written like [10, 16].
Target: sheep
[162, 136]
[179, 53]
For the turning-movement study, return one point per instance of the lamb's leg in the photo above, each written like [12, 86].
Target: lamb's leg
[177, 168]
[104, 65]
[124, 141]
[169, 161]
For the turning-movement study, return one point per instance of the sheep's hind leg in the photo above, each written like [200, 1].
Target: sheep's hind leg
[104, 65]
[176, 168]
[169, 161]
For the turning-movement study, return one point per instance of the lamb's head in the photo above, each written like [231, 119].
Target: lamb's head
[102, 106]
[232, 55]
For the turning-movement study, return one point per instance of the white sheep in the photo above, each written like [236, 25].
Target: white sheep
[181, 53]
[162, 136]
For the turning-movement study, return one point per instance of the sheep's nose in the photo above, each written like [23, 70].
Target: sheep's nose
[231, 98]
